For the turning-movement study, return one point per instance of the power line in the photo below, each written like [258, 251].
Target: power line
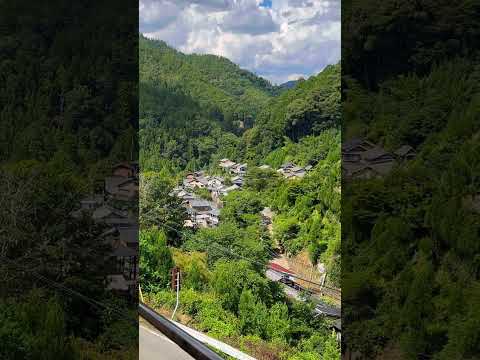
[250, 260]
[96, 304]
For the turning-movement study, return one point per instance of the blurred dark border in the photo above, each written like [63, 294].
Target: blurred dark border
[69, 175]
[410, 169]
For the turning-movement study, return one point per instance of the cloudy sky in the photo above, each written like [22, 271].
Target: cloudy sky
[280, 40]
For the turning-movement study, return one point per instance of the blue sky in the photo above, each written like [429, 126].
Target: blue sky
[266, 3]
[280, 40]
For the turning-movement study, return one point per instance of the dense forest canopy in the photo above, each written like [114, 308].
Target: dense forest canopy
[231, 95]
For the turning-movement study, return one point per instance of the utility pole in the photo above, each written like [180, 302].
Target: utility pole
[176, 286]
[141, 295]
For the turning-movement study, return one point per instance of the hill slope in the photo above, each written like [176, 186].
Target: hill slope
[309, 108]
[230, 93]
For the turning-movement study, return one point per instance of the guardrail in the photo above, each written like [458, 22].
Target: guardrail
[185, 341]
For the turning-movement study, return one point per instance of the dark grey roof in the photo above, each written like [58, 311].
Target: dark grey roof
[287, 165]
[352, 143]
[113, 182]
[338, 324]
[374, 153]
[124, 251]
[382, 168]
[403, 150]
[214, 212]
[105, 210]
[352, 167]
[129, 235]
[327, 310]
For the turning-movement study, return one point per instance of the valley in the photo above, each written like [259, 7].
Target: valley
[236, 172]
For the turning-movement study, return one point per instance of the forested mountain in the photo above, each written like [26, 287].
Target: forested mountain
[231, 95]
[190, 106]
[307, 109]
[288, 85]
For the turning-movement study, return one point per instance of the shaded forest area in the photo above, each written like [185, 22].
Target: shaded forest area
[69, 111]
[410, 241]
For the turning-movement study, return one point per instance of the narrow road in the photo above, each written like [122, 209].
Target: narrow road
[320, 308]
[156, 346]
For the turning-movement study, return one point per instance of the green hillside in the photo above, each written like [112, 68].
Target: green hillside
[228, 92]
[309, 108]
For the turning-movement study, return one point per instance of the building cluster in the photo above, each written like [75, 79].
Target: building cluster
[362, 159]
[114, 207]
[292, 171]
[202, 212]
[233, 168]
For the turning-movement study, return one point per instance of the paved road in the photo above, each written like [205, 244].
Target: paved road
[156, 346]
[321, 307]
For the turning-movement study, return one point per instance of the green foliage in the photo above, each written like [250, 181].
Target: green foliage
[158, 208]
[229, 241]
[194, 268]
[228, 92]
[156, 262]
[239, 206]
[252, 314]
[308, 109]
[229, 278]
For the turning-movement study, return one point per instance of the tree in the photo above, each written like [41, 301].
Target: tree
[229, 278]
[252, 314]
[158, 208]
[156, 260]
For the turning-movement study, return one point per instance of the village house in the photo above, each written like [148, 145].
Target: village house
[200, 205]
[292, 171]
[121, 233]
[91, 203]
[352, 149]
[124, 170]
[226, 164]
[215, 182]
[111, 216]
[121, 188]
[237, 180]
[323, 309]
[195, 180]
[239, 169]
[362, 159]
[225, 191]
[126, 264]
[405, 152]
[202, 214]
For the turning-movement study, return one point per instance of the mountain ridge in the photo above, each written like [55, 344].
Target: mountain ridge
[215, 82]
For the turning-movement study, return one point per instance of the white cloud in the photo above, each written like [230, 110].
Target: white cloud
[293, 38]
